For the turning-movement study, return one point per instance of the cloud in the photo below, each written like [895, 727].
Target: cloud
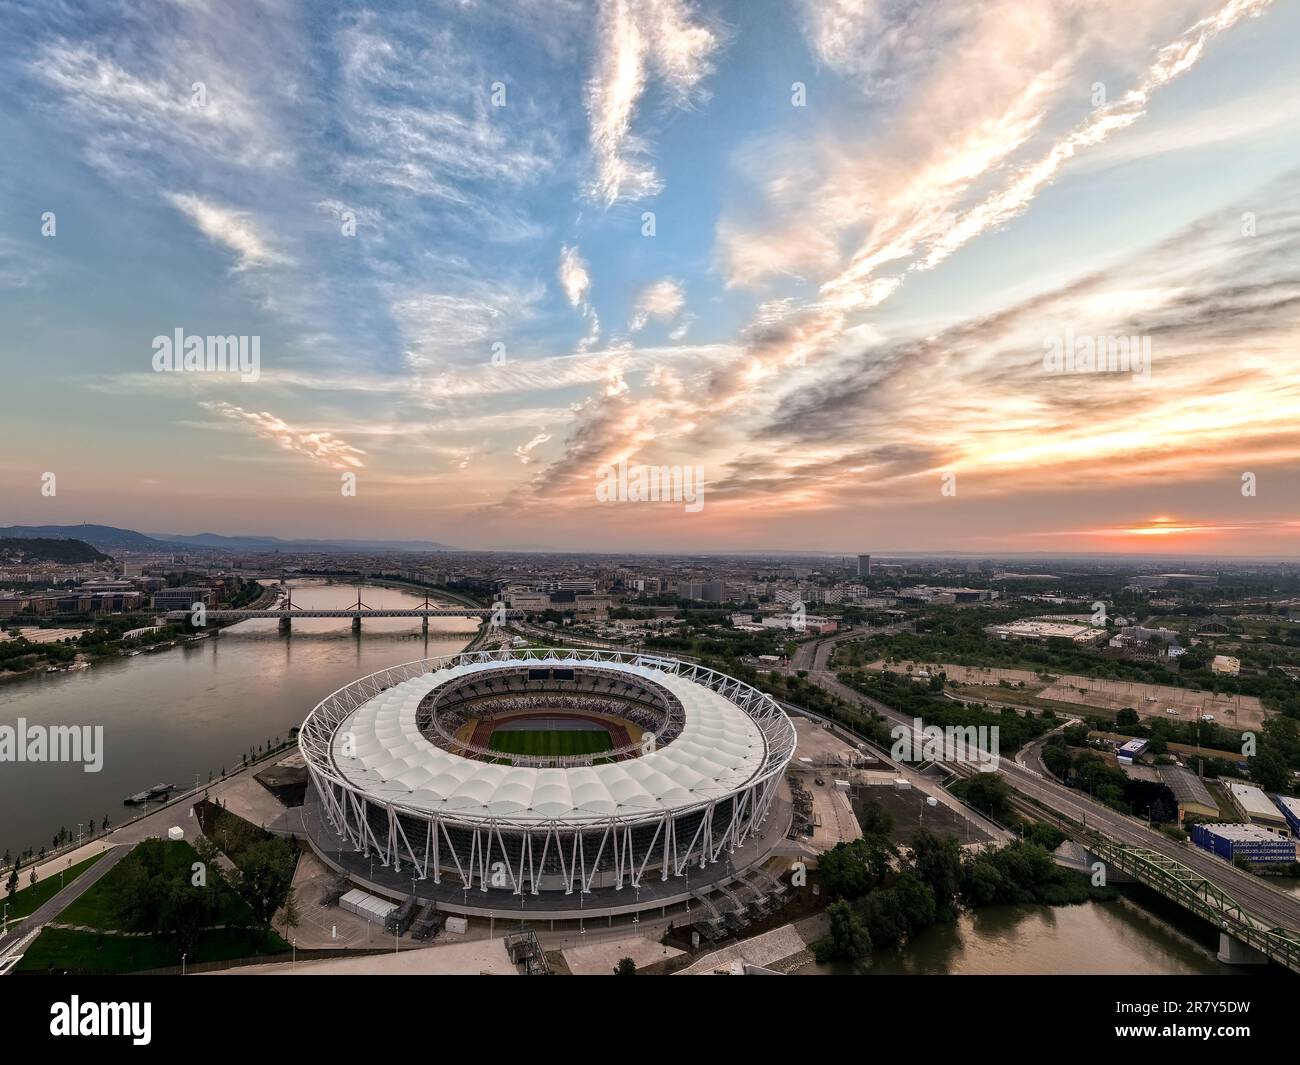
[314, 443]
[573, 275]
[416, 110]
[181, 100]
[660, 301]
[233, 229]
[638, 40]
[524, 451]
[576, 282]
[459, 326]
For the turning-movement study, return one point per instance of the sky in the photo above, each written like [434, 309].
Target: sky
[838, 268]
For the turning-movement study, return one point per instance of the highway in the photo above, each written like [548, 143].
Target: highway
[1263, 901]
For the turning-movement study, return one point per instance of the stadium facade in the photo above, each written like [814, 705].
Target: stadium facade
[403, 774]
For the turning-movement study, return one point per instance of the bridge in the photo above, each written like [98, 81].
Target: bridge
[285, 614]
[1243, 938]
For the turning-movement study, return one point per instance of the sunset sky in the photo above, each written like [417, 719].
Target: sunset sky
[871, 221]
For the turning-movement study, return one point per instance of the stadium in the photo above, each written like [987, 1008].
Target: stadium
[547, 782]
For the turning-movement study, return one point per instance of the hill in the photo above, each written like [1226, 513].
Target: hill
[110, 538]
[18, 550]
[104, 537]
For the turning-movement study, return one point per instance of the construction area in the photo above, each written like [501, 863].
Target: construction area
[1106, 696]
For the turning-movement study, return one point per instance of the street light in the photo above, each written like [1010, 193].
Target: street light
[183, 957]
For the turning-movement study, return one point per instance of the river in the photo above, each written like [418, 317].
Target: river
[171, 715]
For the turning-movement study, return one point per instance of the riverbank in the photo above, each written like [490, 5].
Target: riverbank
[199, 709]
[130, 648]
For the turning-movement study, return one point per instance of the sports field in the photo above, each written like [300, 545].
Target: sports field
[550, 742]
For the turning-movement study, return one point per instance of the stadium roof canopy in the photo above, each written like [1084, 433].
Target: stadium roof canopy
[380, 750]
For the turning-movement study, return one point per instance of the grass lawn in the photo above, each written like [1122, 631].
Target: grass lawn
[30, 899]
[90, 952]
[551, 742]
[96, 908]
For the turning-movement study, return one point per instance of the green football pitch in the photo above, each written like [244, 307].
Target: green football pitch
[551, 742]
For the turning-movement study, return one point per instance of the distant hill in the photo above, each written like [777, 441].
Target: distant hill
[19, 550]
[109, 538]
[104, 537]
[274, 543]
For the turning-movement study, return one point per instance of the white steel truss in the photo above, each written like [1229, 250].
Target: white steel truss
[553, 855]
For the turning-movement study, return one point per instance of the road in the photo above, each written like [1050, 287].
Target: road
[1264, 902]
[815, 655]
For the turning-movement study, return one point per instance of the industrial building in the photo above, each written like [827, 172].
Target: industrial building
[1190, 792]
[1041, 631]
[1231, 842]
[1256, 807]
[1290, 810]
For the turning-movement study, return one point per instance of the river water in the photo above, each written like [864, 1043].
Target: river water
[1095, 938]
[171, 715]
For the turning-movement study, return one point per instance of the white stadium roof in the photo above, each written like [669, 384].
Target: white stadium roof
[718, 751]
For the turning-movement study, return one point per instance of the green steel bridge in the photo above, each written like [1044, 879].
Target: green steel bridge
[1194, 892]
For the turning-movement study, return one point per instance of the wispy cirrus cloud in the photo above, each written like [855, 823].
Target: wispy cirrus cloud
[233, 229]
[640, 40]
[318, 444]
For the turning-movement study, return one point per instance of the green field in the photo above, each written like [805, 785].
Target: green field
[551, 742]
[97, 906]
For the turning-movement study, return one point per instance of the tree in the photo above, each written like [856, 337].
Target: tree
[625, 967]
[849, 870]
[936, 861]
[916, 903]
[263, 878]
[1056, 757]
[982, 882]
[848, 939]
[1269, 769]
[885, 921]
[990, 794]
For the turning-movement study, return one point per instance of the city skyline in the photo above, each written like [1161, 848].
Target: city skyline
[874, 238]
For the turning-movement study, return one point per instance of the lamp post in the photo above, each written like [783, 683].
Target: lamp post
[183, 957]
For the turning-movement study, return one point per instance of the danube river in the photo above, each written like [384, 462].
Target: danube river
[176, 715]
[1095, 938]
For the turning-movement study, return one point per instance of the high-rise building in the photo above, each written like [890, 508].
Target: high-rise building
[864, 565]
